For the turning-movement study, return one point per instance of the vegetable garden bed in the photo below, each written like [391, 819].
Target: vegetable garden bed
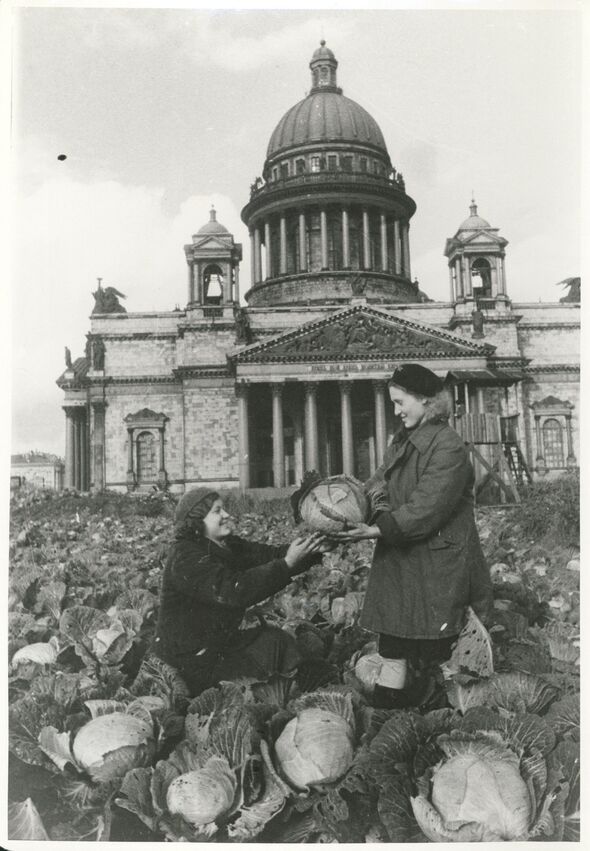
[98, 753]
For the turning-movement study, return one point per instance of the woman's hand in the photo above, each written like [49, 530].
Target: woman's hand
[300, 548]
[360, 532]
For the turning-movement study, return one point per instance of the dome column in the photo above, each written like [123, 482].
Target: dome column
[383, 222]
[257, 256]
[283, 244]
[267, 249]
[451, 284]
[324, 238]
[494, 277]
[502, 278]
[302, 243]
[252, 258]
[366, 240]
[407, 272]
[460, 295]
[345, 239]
[396, 248]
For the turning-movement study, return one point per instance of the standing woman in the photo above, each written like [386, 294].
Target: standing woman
[211, 577]
[428, 564]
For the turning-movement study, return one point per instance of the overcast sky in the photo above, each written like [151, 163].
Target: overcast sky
[162, 112]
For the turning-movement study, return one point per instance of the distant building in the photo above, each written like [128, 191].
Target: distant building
[252, 396]
[37, 469]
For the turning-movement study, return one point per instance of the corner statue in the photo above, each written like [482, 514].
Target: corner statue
[107, 300]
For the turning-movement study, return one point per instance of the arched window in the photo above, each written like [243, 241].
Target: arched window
[146, 457]
[553, 443]
[212, 285]
[481, 278]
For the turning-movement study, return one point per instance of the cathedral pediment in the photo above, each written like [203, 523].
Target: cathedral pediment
[484, 238]
[361, 333]
[210, 243]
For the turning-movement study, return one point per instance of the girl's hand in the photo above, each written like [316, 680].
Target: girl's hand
[361, 532]
[300, 548]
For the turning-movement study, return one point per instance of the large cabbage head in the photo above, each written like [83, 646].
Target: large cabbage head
[477, 794]
[334, 504]
[201, 796]
[109, 745]
[315, 747]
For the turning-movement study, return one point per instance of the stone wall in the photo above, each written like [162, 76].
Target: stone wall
[145, 356]
[129, 399]
[211, 432]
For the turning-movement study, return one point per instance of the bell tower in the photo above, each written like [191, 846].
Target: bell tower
[213, 260]
[476, 262]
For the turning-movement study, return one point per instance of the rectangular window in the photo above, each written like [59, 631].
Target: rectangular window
[275, 173]
[284, 170]
[346, 163]
[332, 162]
[300, 166]
[315, 164]
[363, 163]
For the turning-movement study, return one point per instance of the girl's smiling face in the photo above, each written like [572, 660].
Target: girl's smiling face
[218, 523]
[410, 408]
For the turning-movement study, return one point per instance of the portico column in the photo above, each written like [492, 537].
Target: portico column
[130, 465]
[406, 249]
[383, 242]
[459, 279]
[346, 425]
[302, 244]
[257, 256]
[236, 292]
[494, 278]
[451, 284]
[345, 239]
[467, 277]
[538, 440]
[97, 458]
[191, 296]
[161, 449]
[324, 238]
[380, 420]
[77, 451]
[278, 442]
[283, 244]
[571, 458]
[267, 249]
[311, 427]
[243, 437]
[83, 451]
[366, 241]
[397, 266]
[70, 457]
[502, 283]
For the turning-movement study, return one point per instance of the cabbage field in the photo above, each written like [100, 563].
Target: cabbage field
[105, 748]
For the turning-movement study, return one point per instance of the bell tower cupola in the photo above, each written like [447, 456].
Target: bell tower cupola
[213, 260]
[476, 262]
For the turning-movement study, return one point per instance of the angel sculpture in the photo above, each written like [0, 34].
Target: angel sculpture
[106, 300]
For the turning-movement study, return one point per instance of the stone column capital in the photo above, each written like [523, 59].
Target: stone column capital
[311, 388]
[242, 390]
[379, 384]
[277, 389]
[345, 386]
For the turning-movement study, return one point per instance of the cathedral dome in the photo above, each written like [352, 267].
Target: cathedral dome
[325, 115]
[212, 226]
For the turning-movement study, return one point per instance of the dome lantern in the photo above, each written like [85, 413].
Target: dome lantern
[323, 70]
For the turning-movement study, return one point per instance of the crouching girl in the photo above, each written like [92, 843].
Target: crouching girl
[210, 579]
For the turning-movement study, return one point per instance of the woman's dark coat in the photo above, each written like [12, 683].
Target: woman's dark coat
[428, 565]
[206, 590]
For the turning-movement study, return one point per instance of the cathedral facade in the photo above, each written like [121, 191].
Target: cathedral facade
[252, 395]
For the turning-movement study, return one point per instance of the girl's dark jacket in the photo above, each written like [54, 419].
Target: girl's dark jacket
[206, 590]
[428, 565]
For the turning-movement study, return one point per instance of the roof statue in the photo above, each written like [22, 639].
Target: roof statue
[574, 285]
[106, 300]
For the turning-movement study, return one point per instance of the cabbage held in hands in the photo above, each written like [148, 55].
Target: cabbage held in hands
[315, 747]
[334, 504]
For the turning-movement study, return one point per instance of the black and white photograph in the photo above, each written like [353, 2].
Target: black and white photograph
[292, 331]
